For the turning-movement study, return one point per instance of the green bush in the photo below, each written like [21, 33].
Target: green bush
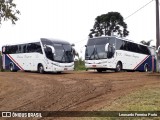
[79, 64]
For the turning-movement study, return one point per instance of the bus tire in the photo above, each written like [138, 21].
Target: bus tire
[99, 70]
[59, 72]
[40, 69]
[146, 68]
[11, 68]
[119, 67]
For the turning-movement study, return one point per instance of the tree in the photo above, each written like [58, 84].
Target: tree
[8, 11]
[107, 24]
[146, 42]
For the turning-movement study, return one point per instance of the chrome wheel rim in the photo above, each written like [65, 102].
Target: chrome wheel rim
[118, 67]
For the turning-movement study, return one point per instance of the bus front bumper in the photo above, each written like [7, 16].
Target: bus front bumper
[60, 69]
[94, 66]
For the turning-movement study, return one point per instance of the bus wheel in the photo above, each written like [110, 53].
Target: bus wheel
[59, 72]
[146, 69]
[118, 67]
[11, 68]
[99, 70]
[41, 69]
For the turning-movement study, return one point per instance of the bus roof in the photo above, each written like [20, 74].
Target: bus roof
[122, 39]
[38, 40]
[56, 40]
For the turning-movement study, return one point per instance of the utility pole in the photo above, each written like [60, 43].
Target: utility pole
[157, 34]
[157, 24]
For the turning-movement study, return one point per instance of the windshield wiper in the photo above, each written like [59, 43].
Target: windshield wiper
[63, 56]
[91, 54]
[94, 53]
[68, 56]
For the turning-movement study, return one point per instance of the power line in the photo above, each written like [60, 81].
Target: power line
[138, 10]
[127, 16]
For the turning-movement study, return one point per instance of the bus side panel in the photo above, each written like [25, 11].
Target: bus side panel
[8, 60]
[151, 64]
[155, 65]
[130, 60]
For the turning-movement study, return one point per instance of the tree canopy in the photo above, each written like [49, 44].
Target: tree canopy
[8, 11]
[108, 24]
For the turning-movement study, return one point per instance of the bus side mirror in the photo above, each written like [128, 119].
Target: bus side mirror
[107, 47]
[73, 44]
[53, 50]
[74, 52]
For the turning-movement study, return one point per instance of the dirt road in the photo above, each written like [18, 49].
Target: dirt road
[27, 91]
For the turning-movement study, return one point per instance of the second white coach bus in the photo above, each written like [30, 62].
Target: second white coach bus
[45, 55]
[103, 53]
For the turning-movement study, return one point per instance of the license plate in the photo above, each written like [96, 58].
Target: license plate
[93, 65]
[65, 69]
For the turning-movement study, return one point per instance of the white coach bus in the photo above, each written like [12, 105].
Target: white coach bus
[103, 53]
[45, 55]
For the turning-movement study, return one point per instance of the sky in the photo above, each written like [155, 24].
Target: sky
[71, 20]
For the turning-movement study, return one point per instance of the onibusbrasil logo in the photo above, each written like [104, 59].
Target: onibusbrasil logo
[21, 114]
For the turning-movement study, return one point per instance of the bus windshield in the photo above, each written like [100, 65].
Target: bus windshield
[62, 54]
[96, 48]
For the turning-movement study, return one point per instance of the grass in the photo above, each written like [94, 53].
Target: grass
[145, 99]
[2, 70]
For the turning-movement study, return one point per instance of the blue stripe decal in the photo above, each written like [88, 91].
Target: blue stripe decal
[149, 62]
[7, 63]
